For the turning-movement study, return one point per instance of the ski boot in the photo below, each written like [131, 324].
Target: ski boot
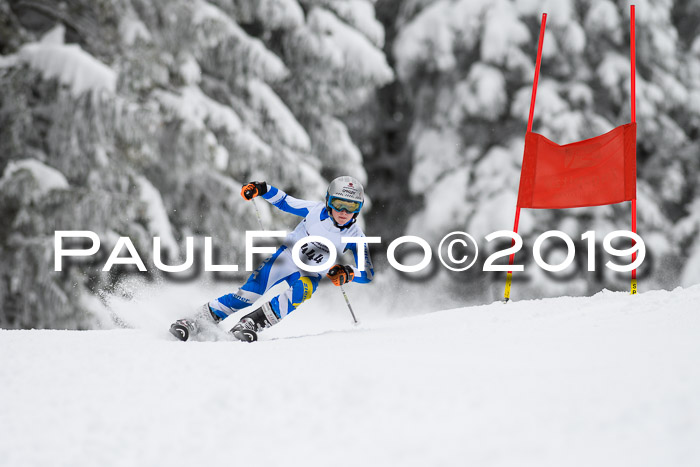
[244, 330]
[247, 328]
[185, 328]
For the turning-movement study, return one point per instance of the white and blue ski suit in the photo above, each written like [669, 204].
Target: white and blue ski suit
[280, 266]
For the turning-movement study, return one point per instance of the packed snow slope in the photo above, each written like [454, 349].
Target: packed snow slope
[608, 380]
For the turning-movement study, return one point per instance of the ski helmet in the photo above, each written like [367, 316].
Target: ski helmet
[345, 194]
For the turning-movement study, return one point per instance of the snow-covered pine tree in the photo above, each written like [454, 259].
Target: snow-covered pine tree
[685, 170]
[141, 118]
[470, 66]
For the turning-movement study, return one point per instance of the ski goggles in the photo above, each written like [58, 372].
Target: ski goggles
[339, 204]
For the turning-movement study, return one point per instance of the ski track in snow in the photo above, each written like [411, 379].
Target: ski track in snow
[608, 380]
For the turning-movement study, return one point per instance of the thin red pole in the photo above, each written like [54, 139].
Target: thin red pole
[509, 276]
[634, 120]
[537, 73]
[633, 64]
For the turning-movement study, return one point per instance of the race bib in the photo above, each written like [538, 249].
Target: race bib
[313, 253]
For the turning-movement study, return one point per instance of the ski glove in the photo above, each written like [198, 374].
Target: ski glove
[340, 274]
[252, 189]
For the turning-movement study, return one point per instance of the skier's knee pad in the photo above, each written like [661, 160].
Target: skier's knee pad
[302, 289]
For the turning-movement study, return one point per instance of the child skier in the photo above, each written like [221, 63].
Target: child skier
[332, 219]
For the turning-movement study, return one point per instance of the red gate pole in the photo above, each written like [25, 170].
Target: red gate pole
[633, 285]
[509, 277]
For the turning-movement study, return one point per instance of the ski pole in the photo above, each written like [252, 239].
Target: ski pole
[257, 211]
[349, 307]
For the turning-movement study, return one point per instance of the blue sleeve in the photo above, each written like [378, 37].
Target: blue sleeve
[363, 277]
[286, 203]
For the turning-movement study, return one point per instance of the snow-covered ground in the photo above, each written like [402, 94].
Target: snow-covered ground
[608, 380]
